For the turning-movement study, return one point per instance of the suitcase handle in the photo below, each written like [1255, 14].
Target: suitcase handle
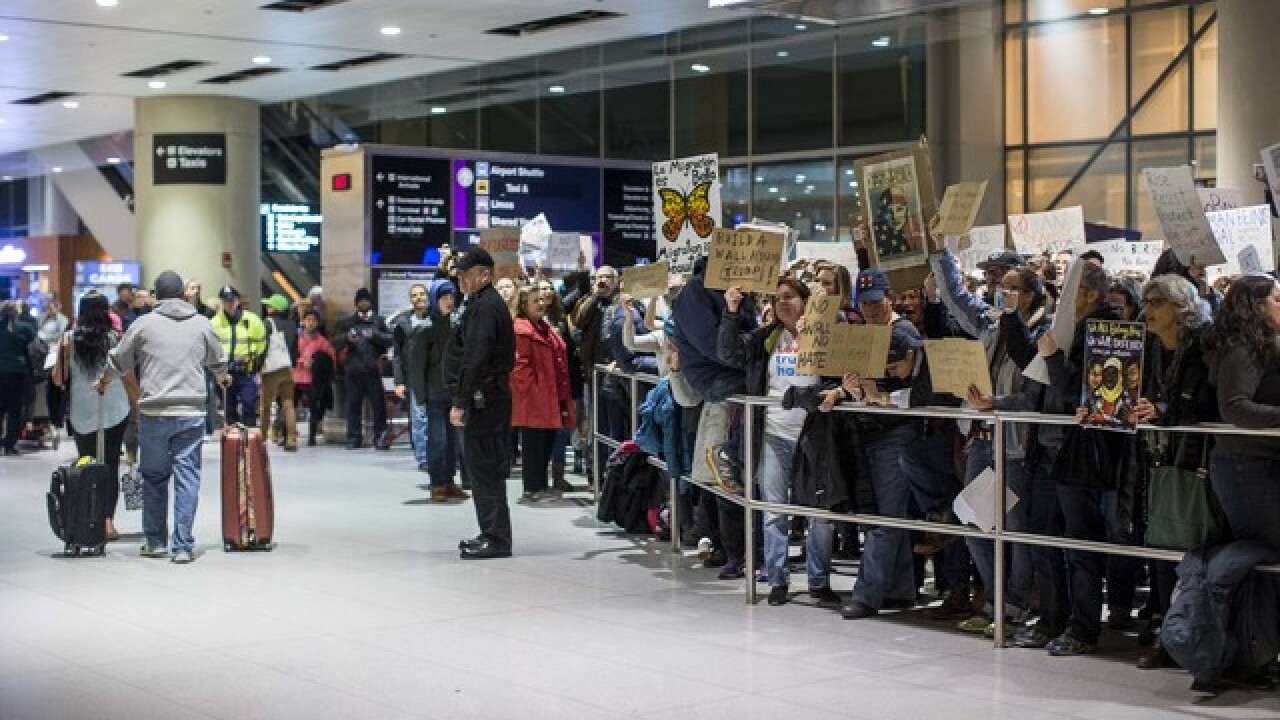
[102, 435]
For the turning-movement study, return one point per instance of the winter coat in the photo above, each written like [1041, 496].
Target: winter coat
[479, 359]
[661, 430]
[436, 342]
[830, 469]
[632, 488]
[408, 366]
[15, 336]
[360, 341]
[750, 353]
[697, 313]
[1223, 616]
[540, 394]
[308, 348]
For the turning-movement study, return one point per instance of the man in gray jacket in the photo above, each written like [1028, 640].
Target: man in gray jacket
[169, 349]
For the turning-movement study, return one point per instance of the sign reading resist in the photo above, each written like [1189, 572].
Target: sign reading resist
[189, 159]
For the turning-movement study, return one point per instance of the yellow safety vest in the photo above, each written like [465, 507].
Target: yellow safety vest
[249, 342]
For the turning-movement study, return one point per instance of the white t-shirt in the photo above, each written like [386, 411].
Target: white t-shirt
[782, 375]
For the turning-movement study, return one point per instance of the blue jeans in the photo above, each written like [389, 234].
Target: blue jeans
[774, 478]
[1249, 492]
[927, 464]
[888, 571]
[445, 444]
[242, 400]
[418, 428]
[1019, 573]
[170, 446]
[561, 445]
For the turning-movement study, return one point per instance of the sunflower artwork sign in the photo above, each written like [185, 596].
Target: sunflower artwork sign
[686, 196]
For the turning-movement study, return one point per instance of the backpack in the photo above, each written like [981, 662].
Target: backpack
[277, 350]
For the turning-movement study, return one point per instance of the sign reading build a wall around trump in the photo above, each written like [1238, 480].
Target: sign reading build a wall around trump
[748, 259]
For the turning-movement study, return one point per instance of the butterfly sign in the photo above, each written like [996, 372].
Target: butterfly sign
[686, 196]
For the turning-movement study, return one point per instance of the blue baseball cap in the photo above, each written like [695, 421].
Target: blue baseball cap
[872, 285]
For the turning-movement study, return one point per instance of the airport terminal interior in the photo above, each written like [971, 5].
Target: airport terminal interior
[342, 168]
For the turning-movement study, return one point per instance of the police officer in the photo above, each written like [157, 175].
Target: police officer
[477, 369]
[244, 339]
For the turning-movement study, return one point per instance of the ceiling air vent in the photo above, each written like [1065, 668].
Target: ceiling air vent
[163, 69]
[42, 98]
[241, 75]
[553, 23]
[356, 62]
[301, 6]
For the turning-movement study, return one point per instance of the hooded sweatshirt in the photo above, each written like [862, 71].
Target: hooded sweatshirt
[435, 342]
[170, 348]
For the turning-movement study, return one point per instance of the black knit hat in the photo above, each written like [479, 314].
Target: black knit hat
[474, 257]
[364, 294]
[169, 285]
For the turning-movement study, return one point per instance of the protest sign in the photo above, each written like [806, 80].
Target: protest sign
[1250, 263]
[1063, 325]
[957, 363]
[1048, 232]
[960, 206]
[504, 245]
[898, 202]
[563, 250]
[646, 281]
[1271, 166]
[1113, 373]
[975, 505]
[1177, 204]
[833, 348]
[1125, 256]
[749, 259]
[686, 208]
[1238, 229]
[983, 241]
[837, 252]
[1219, 199]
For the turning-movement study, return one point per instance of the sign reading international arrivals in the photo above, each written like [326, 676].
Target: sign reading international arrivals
[189, 159]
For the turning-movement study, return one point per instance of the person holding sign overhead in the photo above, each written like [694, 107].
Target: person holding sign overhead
[769, 354]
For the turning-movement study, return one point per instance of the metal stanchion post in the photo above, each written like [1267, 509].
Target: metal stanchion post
[593, 460]
[674, 504]
[635, 405]
[748, 480]
[997, 452]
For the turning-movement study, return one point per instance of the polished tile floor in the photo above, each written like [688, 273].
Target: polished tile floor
[364, 611]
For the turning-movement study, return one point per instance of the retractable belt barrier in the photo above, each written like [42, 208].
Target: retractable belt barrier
[998, 537]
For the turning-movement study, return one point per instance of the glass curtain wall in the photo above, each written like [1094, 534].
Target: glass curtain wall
[786, 104]
[1097, 90]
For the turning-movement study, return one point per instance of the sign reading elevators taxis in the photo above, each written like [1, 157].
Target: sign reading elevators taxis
[748, 259]
[833, 348]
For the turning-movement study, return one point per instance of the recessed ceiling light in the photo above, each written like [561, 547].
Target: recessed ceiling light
[782, 199]
[2, 121]
[390, 30]
[6, 178]
[759, 178]
[57, 169]
[848, 172]
[157, 84]
[439, 110]
[4, 38]
[799, 179]
[699, 67]
[1099, 11]
[108, 3]
[261, 60]
[801, 26]
[773, 189]
[555, 89]
[113, 161]
[882, 41]
[783, 53]
[70, 104]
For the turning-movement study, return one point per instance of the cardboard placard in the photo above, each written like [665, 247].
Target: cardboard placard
[960, 206]
[1048, 232]
[646, 281]
[504, 245]
[1177, 204]
[957, 363]
[839, 253]
[748, 259]
[1122, 255]
[983, 241]
[563, 250]
[832, 348]
[686, 208]
[898, 202]
[1238, 229]
[1219, 199]
[1271, 165]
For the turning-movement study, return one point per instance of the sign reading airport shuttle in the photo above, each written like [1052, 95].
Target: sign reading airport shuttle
[189, 159]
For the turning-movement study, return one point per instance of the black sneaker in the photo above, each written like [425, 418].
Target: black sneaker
[1205, 690]
[716, 559]
[825, 596]
[778, 595]
[1067, 644]
[854, 610]
[724, 469]
[732, 570]
[957, 606]
[1031, 637]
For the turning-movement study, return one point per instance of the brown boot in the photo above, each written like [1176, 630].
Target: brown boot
[110, 527]
[453, 492]
[439, 494]
[558, 483]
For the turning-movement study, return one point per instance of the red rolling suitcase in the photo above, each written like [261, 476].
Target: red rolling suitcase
[248, 505]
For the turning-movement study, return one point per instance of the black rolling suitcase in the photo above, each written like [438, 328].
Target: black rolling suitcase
[77, 501]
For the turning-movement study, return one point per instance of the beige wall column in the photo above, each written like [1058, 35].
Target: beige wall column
[963, 102]
[187, 227]
[1248, 104]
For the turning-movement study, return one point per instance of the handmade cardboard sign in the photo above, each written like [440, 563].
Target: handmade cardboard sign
[957, 363]
[1181, 213]
[898, 202]
[1048, 232]
[960, 206]
[748, 259]
[646, 281]
[504, 245]
[832, 348]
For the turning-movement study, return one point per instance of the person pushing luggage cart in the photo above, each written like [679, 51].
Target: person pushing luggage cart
[170, 348]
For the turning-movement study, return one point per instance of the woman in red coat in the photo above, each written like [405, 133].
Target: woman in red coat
[541, 399]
